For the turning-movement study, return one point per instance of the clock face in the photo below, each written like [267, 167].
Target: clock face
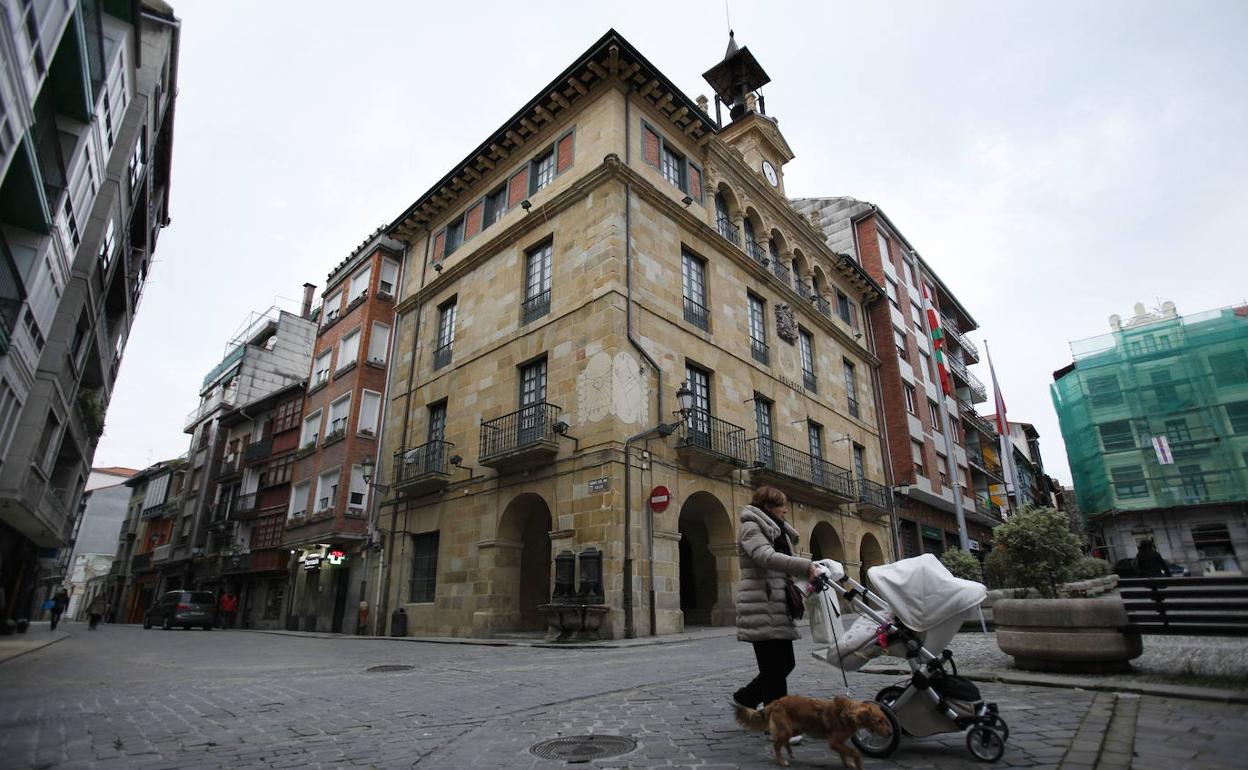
[769, 171]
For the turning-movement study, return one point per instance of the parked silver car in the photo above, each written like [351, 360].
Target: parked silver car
[183, 608]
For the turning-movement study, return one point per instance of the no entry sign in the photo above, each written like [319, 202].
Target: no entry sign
[659, 499]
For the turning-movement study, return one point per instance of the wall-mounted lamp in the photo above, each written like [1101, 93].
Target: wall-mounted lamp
[368, 467]
[524, 204]
[437, 267]
[687, 201]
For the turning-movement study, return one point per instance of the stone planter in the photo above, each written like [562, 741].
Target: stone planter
[1066, 635]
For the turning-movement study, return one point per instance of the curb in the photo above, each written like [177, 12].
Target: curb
[34, 648]
[613, 644]
[1113, 686]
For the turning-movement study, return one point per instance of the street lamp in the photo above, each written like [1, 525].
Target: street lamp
[368, 466]
[685, 396]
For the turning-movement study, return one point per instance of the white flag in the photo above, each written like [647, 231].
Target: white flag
[1161, 445]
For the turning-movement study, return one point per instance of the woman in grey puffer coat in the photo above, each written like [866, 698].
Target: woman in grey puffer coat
[767, 561]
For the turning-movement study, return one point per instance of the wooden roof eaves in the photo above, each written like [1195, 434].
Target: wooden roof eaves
[573, 83]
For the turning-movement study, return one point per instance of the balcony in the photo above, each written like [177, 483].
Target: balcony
[728, 230]
[760, 351]
[219, 397]
[874, 500]
[756, 253]
[987, 512]
[978, 421]
[977, 460]
[801, 475]
[245, 507]
[158, 511]
[230, 465]
[809, 381]
[522, 439]
[262, 560]
[161, 553]
[140, 561]
[442, 356]
[823, 306]
[258, 450]
[780, 272]
[978, 391]
[968, 348]
[422, 470]
[535, 307]
[697, 315]
[710, 445]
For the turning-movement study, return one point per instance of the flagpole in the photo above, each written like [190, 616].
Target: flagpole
[951, 460]
[1006, 446]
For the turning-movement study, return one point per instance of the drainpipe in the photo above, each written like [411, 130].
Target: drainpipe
[630, 631]
[877, 385]
[383, 600]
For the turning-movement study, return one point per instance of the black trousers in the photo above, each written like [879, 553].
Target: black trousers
[775, 663]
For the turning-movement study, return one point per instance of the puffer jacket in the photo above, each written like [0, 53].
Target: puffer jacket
[761, 611]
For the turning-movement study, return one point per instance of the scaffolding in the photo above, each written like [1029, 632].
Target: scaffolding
[1155, 414]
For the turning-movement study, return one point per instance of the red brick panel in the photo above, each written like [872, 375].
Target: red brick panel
[439, 245]
[563, 155]
[472, 220]
[650, 147]
[695, 183]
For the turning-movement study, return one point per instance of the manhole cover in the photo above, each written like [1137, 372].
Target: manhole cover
[382, 669]
[583, 748]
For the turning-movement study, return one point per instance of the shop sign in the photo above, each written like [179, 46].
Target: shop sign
[312, 562]
[336, 557]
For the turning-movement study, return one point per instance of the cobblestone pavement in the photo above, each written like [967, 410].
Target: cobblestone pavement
[127, 698]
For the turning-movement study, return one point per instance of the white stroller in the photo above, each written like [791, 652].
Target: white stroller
[914, 606]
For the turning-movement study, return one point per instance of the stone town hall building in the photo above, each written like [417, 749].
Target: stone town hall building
[610, 242]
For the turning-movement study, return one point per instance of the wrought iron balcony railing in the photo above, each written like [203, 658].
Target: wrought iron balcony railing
[525, 427]
[968, 347]
[823, 306]
[258, 450]
[800, 466]
[780, 271]
[442, 356]
[535, 307]
[757, 253]
[702, 431]
[874, 495]
[728, 230]
[976, 419]
[421, 462]
[809, 381]
[697, 315]
[760, 351]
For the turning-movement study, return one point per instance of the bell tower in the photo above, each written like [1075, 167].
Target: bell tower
[750, 131]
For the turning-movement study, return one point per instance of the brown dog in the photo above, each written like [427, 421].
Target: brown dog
[835, 720]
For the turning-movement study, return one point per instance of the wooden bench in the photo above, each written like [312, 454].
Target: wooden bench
[1194, 606]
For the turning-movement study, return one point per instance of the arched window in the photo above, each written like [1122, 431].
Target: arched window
[750, 241]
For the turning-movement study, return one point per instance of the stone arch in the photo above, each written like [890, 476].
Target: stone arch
[870, 554]
[782, 243]
[522, 572]
[707, 555]
[801, 270]
[825, 543]
[753, 228]
[730, 199]
[819, 281]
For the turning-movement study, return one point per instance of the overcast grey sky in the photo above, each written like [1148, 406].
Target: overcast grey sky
[1055, 162]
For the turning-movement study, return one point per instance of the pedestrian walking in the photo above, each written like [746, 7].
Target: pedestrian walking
[228, 607]
[763, 615]
[60, 602]
[1148, 562]
[95, 612]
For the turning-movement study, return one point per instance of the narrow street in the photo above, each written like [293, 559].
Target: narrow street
[128, 698]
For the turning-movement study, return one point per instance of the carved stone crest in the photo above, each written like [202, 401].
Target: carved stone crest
[786, 324]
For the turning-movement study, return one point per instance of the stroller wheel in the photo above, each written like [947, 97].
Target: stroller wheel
[876, 745]
[985, 743]
[890, 694]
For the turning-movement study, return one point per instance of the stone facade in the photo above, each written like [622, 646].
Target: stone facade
[542, 470]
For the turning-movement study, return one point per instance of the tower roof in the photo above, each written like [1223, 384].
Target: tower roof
[738, 74]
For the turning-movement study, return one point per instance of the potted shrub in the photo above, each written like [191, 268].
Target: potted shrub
[1037, 554]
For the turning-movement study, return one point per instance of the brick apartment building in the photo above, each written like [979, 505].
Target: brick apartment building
[328, 514]
[611, 245]
[909, 387]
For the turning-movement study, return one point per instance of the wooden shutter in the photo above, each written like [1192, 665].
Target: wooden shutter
[563, 154]
[518, 187]
[439, 246]
[650, 147]
[472, 220]
[695, 183]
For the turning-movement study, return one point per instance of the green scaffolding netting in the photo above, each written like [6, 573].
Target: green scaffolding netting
[1163, 388]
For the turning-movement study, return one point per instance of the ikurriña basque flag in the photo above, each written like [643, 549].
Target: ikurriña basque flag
[938, 343]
